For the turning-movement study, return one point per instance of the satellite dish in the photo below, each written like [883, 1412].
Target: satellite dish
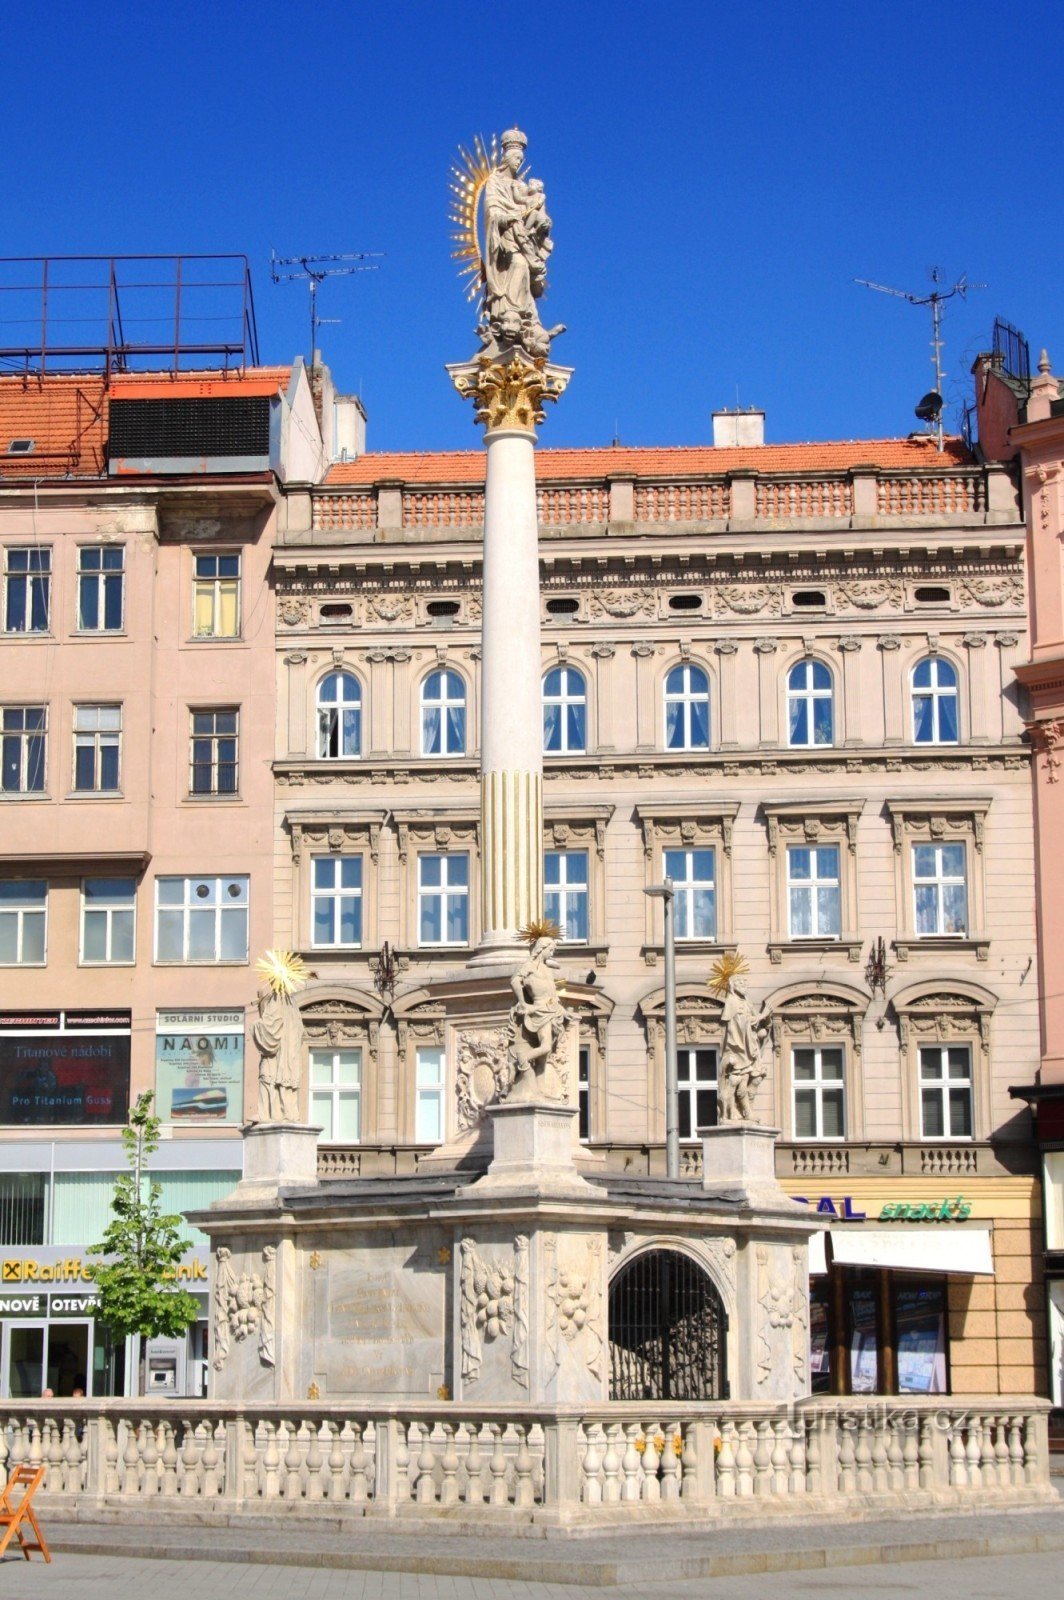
[930, 407]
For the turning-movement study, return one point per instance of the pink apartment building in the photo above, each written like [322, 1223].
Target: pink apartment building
[137, 515]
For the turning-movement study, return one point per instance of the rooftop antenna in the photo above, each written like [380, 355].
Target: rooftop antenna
[314, 270]
[930, 407]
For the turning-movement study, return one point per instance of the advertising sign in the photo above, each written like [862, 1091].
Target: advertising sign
[199, 1066]
[53, 1077]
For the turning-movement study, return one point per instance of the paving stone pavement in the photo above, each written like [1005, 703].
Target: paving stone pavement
[85, 1577]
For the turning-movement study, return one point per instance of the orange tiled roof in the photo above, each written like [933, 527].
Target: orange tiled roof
[467, 466]
[66, 415]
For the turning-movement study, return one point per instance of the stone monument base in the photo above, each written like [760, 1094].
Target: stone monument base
[276, 1155]
[739, 1164]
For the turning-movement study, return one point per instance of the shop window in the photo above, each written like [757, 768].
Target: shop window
[201, 919]
[108, 920]
[696, 1075]
[336, 1095]
[810, 705]
[27, 588]
[216, 596]
[693, 874]
[443, 899]
[429, 1091]
[443, 715]
[23, 1207]
[339, 717]
[101, 584]
[564, 712]
[336, 902]
[565, 892]
[23, 736]
[819, 1092]
[687, 708]
[23, 922]
[945, 1092]
[97, 749]
[213, 752]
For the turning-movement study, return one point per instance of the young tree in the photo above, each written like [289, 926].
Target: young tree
[138, 1287]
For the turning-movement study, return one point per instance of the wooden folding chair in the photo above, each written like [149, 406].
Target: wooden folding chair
[13, 1516]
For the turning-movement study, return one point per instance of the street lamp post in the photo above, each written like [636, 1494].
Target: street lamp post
[665, 892]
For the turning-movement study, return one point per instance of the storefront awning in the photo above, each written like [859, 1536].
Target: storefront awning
[964, 1250]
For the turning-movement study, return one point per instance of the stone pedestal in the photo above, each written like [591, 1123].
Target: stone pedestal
[533, 1152]
[739, 1164]
[276, 1155]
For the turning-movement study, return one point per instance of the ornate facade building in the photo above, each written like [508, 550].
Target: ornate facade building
[784, 677]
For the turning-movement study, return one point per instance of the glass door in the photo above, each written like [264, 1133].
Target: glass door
[22, 1375]
[36, 1356]
[67, 1361]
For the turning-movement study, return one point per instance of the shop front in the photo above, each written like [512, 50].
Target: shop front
[926, 1291]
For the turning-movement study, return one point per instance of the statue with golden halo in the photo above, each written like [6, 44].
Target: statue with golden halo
[278, 1036]
[503, 234]
[741, 1071]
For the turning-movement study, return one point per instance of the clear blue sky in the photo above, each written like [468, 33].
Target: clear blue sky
[717, 174]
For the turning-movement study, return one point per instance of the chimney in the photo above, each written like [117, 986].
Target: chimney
[736, 429]
[349, 427]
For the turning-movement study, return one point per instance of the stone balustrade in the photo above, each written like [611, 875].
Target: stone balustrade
[572, 1462]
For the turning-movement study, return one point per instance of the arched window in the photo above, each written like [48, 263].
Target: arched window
[564, 711]
[339, 717]
[934, 702]
[443, 715]
[810, 705]
[687, 709]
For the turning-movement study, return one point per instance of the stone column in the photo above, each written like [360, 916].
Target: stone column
[508, 395]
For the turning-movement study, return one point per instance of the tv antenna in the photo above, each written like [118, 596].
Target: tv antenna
[930, 407]
[314, 270]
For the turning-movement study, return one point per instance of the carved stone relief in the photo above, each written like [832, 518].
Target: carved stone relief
[493, 1304]
[244, 1305]
[483, 1073]
[782, 1298]
[622, 603]
[870, 593]
[746, 599]
[574, 1305]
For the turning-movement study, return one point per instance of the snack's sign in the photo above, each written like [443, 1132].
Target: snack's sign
[842, 1209]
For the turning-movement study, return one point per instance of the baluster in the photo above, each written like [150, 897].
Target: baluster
[449, 1467]
[725, 1463]
[1001, 1451]
[18, 1449]
[109, 1452]
[690, 1461]
[211, 1459]
[863, 1455]
[293, 1460]
[130, 1460]
[4, 1450]
[591, 1483]
[149, 1455]
[958, 1457]
[474, 1466]
[168, 1458]
[670, 1462]
[611, 1466]
[796, 1458]
[744, 1461]
[814, 1454]
[426, 1461]
[781, 1457]
[53, 1452]
[252, 1436]
[762, 1456]
[655, 1443]
[524, 1493]
[358, 1493]
[70, 1457]
[630, 1464]
[880, 1457]
[314, 1459]
[974, 1452]
[271, 1460]
[1030, 1448]
[402, 1462]
[188, 1459]
[910, 1454]
[1016, 1451]
[35, 1453]
[847, 1459]
[988, 1453]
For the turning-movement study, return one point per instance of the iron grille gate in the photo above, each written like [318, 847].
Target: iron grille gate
[666, 1329]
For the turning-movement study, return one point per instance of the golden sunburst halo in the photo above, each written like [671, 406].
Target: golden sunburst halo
[469, 174]
[283, 970]
[539, 928]
[724, 969]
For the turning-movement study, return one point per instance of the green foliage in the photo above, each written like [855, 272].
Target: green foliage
[138, 1288]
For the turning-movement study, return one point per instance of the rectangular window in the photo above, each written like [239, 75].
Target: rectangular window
[336, 902]
[695, 894]
[97, 747]
[565, 892]
[216, 596]
[443, 899]
[201, 919]
[940, 889]
[213, 749]
[336, 1095]
[946, 1091]
[819, 1093]
[23, 1207]
[27, 589]
[429, 1096]
[23, 922]
[23, 731]
[813, 891]
[108, 920]
[584, 1092]
[101, 579]
[696, 1074]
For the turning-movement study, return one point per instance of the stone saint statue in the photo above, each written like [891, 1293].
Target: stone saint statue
[741, 1072]
[278, 1036]
[517, 244]
[538, 1022]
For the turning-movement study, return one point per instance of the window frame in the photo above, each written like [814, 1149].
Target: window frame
[109, 909]
[690, 1086]
[936, 694]
[815, 1088]
[811, 887]
[443, 891]
[565, 701]
[563, 891]
[686, 888]
[940, 822]
[432, 1090]
[185, 907]
[813, 825]
[337, 708]
[27, 737]
[946, 1085]
[38, 587]
[99, 739]
[686, 698]
[216, 581]
[20, 913]
[337, 1090]
[939, 883]
[215, 739]
[443, 705]
[335, 894]
[810, 695]
[100, 577]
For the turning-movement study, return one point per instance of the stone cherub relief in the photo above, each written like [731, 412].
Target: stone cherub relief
[503, 232]
[537, 1028]
[278, 1036]
[741, 1069]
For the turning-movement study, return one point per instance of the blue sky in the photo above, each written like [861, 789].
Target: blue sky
[717, 175]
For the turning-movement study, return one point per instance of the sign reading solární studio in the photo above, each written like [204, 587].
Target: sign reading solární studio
[199, 1066]
[64, 1067]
